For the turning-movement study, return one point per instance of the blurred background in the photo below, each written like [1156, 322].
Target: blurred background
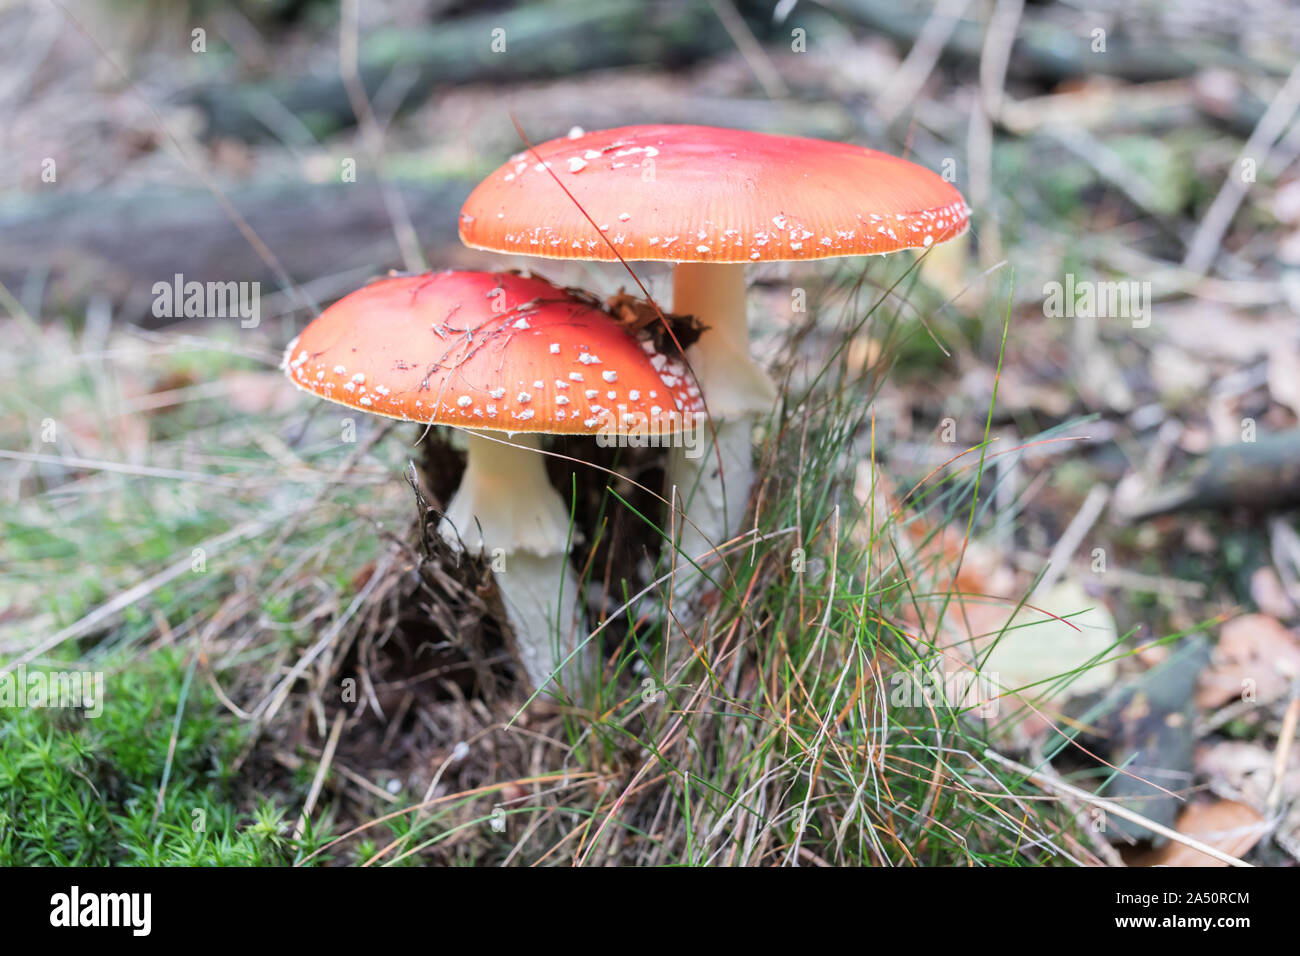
[1142, 154]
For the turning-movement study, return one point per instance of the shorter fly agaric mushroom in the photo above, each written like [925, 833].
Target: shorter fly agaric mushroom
[711, 201]
[507, 357]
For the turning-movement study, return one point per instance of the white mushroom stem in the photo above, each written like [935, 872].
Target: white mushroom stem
[736, 391]
[506, 510]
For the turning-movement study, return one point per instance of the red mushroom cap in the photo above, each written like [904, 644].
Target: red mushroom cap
[703, 194]
[497, 351]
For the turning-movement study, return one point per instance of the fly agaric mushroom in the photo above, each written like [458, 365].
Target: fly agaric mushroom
[710, 200]
[507, 357]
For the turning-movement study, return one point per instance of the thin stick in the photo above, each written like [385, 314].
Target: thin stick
[174, 474]
[176, 733]
[760, 63]
[920, 60]
[114, 606]
[1209, 234]
[1284, 740]
[318, 781]
[1109, 806]
[995, 55]
[141, 471]
[1075, 532]
[403, 229]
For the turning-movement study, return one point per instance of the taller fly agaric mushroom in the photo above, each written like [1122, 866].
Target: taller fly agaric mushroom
[710, 200]
[507, 357]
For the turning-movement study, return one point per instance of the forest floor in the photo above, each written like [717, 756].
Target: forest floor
[1023, 582]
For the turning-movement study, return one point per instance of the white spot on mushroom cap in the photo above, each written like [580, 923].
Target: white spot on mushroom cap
[464, 401]
[609, 375]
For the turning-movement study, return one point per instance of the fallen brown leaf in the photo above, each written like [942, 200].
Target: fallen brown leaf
[1256, 654]
[1225, 825]
[1238, 770]
[1269, 594]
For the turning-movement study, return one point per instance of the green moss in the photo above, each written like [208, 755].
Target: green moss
[77, 789]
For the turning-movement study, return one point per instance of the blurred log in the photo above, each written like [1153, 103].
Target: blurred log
[1263, 475]
[551, 110]
[120, 245]
[1103, 107]
[542, 40]
[1224, 98]
[1044, 52]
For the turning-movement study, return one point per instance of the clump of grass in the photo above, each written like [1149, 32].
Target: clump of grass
[769, 734]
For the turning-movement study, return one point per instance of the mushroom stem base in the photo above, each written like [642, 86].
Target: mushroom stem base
[506, 510]
[540, 595]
